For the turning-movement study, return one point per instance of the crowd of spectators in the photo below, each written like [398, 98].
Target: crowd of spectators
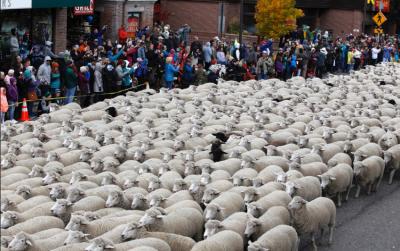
[96, 68]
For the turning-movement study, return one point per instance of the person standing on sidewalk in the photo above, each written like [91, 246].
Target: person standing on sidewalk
[71, 80]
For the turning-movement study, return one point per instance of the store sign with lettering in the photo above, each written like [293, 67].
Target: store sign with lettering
[84, 10]
[15, 4]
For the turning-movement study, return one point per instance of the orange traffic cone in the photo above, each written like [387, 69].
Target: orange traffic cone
[24, 112]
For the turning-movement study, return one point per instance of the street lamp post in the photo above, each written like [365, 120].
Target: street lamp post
[241, 22]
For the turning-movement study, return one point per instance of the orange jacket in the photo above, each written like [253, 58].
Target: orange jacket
[3, 100]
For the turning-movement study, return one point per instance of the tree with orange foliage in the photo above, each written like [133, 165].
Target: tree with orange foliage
[276, 18]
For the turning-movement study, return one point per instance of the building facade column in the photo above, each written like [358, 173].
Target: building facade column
[60, 30]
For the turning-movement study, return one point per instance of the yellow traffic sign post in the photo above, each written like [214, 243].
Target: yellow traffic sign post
[378, 30]
[379, 18]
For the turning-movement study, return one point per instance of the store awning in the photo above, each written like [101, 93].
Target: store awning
[29, 4]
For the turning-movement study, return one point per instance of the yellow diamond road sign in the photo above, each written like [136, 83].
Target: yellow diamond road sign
[379, 18]
[378, 31]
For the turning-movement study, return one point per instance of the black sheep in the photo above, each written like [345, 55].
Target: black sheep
[112, 111]
[221, 136]
[216, 151]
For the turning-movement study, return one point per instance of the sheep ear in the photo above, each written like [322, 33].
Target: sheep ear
[163, 199]
[81, 193]
[332, 178]
[160, 216]
[69, 203]
[29, 243]
[319, 176]
[109, 246]
[86, 236]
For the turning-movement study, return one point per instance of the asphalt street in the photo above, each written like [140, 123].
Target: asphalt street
[369, 223]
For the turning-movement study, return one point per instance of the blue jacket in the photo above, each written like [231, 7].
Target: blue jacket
[115, 57]
[170, 71]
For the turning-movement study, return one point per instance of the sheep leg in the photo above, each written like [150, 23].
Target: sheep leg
[358, 191]
[296, 246]
[322, 235]
[331, 227]
[339, 198]
[391, 176]
[348, 190]
[369, 188]
[379, 181]
[313, 241]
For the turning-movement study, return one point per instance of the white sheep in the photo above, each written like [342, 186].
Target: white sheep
[337, 180]
[274, 216]
[255, 193]
[34, 225]
[10, 218]
[235, 222]
[101, 244]
[224, 205]
[307, 187]
[244, 177]
[22, 241]
[222, 241]
[276, 198]
[392, 160]
[176, 242]
[185, 221]
[100, 226]
[311, 217]
[159, 201]
[281, 237]
[290, 175]
[339, 158]
[310, 169]
[370, 149]
[63, 208]
[369, 173]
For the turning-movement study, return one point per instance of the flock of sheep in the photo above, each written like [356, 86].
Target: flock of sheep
[235, 166]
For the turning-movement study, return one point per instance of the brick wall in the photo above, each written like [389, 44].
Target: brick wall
[60, 30]
[341, 20]
[202, 17]
[112, 16]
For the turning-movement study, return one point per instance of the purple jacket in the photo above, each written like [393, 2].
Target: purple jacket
[12, 91]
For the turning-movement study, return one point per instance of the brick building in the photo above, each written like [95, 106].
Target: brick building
[337, 16]
[55, 20]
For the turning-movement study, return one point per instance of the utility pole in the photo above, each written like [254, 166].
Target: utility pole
[241, 22]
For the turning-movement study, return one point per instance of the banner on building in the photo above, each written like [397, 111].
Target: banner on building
[382, 5]
[84, 10]
[133, 25]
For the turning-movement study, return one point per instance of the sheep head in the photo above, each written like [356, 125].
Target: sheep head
[75, 194]
[252, 226]
[76, 223]
[8, 161]
[9, 219]
[20, 242]
[24, 190]
[297, 203]
[51, 177]
[209, 195]
[212, 212]
[212, 227]
[100, 244]
[254, 209]
[76, 237]
[139, 201]
[114, 198]
[154, 184]
[156, 200]
[57, 192]
[132, 231]
[37, 171]
[61, 207]
[326, 180]
[291, 187]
